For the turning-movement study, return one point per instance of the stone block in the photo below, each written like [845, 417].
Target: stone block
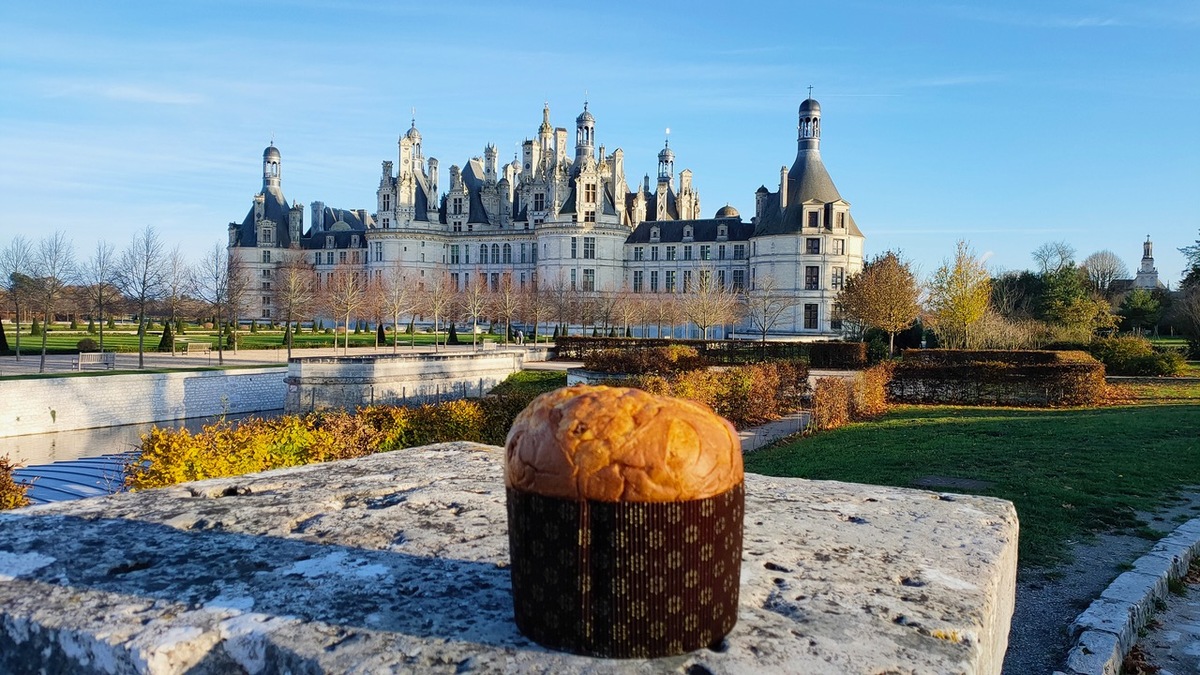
[398, 562]
[1095, 653]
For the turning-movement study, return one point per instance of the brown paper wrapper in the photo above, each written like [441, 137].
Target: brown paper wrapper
[625, 579]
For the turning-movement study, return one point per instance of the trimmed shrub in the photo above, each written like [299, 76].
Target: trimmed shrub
[870, 391]
[831, 403]
[74, 325]
[579, 348]
[87, 345]
[1135, 355]
[667, 359]
[986, 377]
[12, 493]
[839, 355]
[744, 395]
[35, 328]
[167, 342]
[91, 328]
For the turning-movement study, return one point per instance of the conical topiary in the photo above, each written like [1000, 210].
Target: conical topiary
[111, 323]
[91, 329]
[452, 337]
[555, 336]
[254, 326]
[167, 342]
[35, 328]
[74, 323]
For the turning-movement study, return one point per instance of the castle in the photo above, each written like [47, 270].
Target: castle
[563, 217]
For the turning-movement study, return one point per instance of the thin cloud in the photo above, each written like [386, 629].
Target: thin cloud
[124, 93]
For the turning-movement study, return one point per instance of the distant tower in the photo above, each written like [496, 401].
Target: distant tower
[809, 127]
[666, 162]
[585, 134]
[1147, 275]
[271, 165]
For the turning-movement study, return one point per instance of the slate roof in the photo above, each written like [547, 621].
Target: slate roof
[341, 224]
[275, 208]
[671, 231]
[790, 221]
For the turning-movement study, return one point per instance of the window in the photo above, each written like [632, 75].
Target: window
[354, 241]
[654, 233]
[533, 254]
[721, 252]
[839, 247]
[814, 219]
[495, 281]
[589, 280]
[522, 281]
[342, 257]
[721, 279]
[466, 255]
[812, 245]
[839, 278]
[457, 226]
[266, 274]
[329, 257]
[574, 246]
[454, 254]
[524, 252]
[812, 278]
[266, 235]
[589, 216]
[671, 252]
[378, 251]
[638, 277]
[739, 280]
[387, 202]
[835, 324]
[654, 253]
[355, 257]
[266, 300]
[687, 233]
[329, 241]
[266, 285]
[266, 256]
[317, 258]
[539, 203]
[706, 252]
[507, 254]
[687, 252]
[687, 281]
[386, 223]
[589, 248]
[739, 251]
[457, 206]
[639, 252]
[266, 313]
[669, 282]
[483, 254]
[454, 281]
[589, 193]
[573, 286]
[810, 316]
[841, 224]
[653, 281]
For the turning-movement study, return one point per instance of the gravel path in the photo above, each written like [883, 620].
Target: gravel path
[1049, 600]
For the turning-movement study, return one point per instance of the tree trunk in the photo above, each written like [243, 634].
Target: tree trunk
[45, 330]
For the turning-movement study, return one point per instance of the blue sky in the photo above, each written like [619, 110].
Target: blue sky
[1007, 124]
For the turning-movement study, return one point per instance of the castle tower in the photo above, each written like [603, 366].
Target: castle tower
[585, 134]
[666, 162]
[271, 167]
[1147, 275]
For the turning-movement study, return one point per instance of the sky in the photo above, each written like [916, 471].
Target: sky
[1007, 125]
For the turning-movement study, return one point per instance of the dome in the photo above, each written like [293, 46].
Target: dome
[271, 152]
[728, 211]
[666, 155]
[585, 116]
[810, 106]
[762, 189]
[412, 134]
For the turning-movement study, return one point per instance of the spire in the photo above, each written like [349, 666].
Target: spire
[545, 129]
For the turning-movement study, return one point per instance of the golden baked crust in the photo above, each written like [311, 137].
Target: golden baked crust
[616, 444]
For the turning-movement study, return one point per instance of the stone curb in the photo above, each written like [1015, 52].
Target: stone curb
[1106, 631]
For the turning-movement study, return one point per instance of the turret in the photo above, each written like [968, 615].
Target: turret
[489, 163]
[271, 167]
[808, 129]
[585, 134]
[666, 161]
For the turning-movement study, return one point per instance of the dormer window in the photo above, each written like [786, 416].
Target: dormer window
[354, 241]
[265, 238]
[329, 241]
[687, 232]
[654, 233]
[589, 193]
[722, 232]
[814, 219]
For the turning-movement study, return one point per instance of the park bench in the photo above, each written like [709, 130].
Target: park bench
[489, 345]
[192, 347]
[106, 359]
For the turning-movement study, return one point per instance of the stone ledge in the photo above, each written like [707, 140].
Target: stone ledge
[398, 562]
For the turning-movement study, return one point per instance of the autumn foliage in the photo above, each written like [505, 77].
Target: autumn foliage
[12, 493]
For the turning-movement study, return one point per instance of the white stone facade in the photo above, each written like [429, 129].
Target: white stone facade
[563, 216]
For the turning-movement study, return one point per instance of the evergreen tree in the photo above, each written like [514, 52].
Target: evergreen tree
[555, 336]
[254, 326]
[3, 340]
[74, 323]
[167, 342]
[91, 329]
[380, 337]
[180, 327]
[111, 323]
[452, 338]
[35, 328]
[287, 333]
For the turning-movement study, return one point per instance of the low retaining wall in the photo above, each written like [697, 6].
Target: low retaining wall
[39, 406]
[349, 382]
[398, 562]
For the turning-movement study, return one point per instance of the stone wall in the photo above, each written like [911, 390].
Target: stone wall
[349, 382]
[398, 562]
[38, 406]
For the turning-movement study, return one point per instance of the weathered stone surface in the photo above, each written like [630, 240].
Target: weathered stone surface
[398, 563]
[1095, 653]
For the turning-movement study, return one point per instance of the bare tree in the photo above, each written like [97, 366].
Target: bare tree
[1053, 256]
[537, 306]
[53, 270]
[345, 292]
[141, 275]
[662, 308]
[437, 298]
[210, 284]
[628, 308]
[99, 275]
[397, 298]
[16, 266]
[176, 280]
[473, 301]
[1103, 268]
[294, 292]
[561, 297]
[766, 304]
[708, 304]
[506, 302]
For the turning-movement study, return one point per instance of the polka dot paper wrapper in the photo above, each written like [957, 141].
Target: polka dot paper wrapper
[625, 579]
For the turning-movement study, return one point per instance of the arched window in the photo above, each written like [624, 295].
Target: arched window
[495, 254]
[483, 254]
[507, 254]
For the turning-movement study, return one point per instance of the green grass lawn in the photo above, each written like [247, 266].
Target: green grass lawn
[1069, 471]
[62, 341]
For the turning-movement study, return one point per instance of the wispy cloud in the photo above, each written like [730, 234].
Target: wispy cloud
[122, 92]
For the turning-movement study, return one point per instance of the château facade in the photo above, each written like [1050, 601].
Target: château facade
[563, 216]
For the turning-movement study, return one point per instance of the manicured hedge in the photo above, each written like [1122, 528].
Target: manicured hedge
[577, 348]
[838, 355]
[838, 401]
[12, 493]
[668, 359]
[997, 377]
[745, 395]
